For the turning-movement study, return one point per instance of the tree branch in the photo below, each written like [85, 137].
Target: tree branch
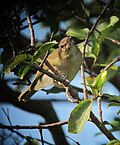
[45, 126]
[102, 128]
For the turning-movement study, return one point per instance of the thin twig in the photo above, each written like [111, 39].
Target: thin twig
[73, 140]
[111, 63]
[7, 115]
[45, 126]
[113, 40]
[41, 134]
[84, 47]
[34, 23]
[22, 136]
[32, 35]
[99, 109]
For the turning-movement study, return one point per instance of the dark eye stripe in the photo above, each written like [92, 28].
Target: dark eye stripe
[62, 45]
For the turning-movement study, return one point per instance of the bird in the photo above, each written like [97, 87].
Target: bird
[66, 60]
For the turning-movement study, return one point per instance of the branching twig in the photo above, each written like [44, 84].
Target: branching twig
[84, 47]
[7, 115]
[102, 128]
[46, 126]
[22, 136]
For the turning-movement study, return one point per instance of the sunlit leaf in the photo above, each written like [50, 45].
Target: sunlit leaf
[100, 79]
[79, 116]
[113, 21]
[77, 32]
[107, 30]
[114, 142]
[88, 50]
[43, 49]
[32, 142]
[96, 83]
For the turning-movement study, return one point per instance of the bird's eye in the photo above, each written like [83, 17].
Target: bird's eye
[62, 45]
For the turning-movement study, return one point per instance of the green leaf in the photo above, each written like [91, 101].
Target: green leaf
[54, 90]
[109, 28]
[114, 104]
[114, 142]
[38, 44]
[114, 98]
[100, 79]
[79, 116]
[96, 83]
[96, 48]
[115, 124]
[43, 49]
[77, 32]
[118, 112]
[113, 21]
[23, 71]
[32, 142]
[18, 59]
[88, 50]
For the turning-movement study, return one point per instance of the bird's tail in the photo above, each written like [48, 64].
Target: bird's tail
[26, 95]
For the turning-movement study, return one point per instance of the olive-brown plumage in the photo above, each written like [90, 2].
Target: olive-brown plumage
[66, 59]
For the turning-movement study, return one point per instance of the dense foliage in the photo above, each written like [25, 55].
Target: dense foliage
[96, 31]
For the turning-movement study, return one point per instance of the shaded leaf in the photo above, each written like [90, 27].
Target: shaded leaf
[18, 59]
[115, 124]
[54, 90]
[79, 116]
[114, 104]
[23, 71]
[95, 49]
[114, 98]
[118, 112]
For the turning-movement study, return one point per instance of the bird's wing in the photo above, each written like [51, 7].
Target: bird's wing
[42, 80]
[36, 78]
